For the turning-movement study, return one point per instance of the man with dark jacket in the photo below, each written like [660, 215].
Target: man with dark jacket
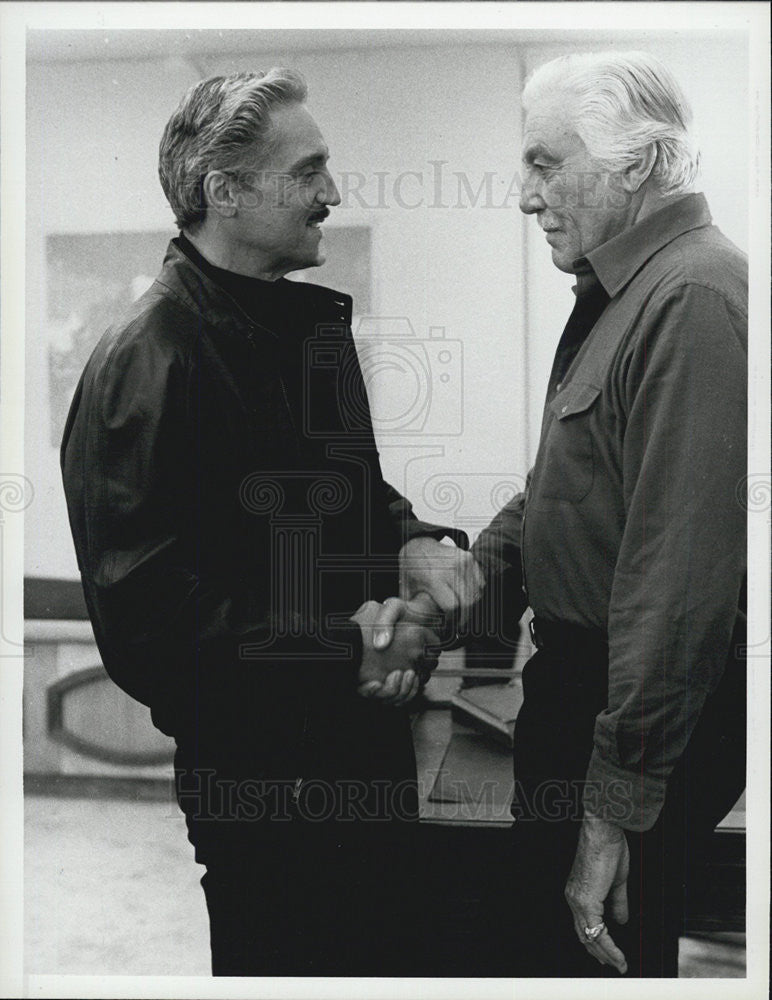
[235, 535]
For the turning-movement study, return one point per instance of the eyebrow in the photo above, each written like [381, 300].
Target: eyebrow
[540, 152]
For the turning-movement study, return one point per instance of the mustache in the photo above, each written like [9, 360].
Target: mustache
[319, 216]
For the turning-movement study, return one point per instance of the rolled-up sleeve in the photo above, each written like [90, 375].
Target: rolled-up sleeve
[682, 560]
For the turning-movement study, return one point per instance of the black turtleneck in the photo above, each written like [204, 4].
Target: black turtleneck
[270, 304]
[273, 305]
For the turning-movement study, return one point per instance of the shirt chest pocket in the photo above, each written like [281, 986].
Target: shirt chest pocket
[567, 461]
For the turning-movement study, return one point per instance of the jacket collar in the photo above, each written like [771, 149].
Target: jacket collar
[616, 262]
[216, 307]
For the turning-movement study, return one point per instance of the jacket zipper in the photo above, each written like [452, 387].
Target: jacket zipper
[303, 743]
[279, 376]
[289, 409]
[304, 738]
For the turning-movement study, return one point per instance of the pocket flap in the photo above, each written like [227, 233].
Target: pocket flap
[575, 398]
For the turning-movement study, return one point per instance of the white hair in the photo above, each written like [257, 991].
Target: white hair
[621, 103]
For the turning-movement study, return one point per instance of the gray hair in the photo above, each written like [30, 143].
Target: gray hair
[215, 122]
[623, 102]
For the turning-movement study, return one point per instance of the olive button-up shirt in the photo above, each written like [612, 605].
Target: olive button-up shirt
[632, 520]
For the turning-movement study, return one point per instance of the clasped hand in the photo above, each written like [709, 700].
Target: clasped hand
[443, 576]
[439, 585]
[394, 672]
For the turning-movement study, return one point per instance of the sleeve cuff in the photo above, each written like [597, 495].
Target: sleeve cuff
[492, 566]
[349, 635]
[630, 799]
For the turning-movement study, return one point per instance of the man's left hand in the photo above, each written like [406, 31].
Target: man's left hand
[599, 873]
[446, 574]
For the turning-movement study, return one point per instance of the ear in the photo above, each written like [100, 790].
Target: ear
[636, 174]
[219, 194]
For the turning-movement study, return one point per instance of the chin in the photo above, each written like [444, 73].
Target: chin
[305, 264]
[315, 257]
[561, 263]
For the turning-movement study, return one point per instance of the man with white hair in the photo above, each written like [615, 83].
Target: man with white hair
[629, 541]
[235, 535]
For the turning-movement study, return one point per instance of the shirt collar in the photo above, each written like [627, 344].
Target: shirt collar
[618, 260]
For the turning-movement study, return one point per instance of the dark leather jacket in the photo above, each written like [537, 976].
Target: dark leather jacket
[224, 537]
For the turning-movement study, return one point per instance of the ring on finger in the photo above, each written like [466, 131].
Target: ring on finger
[593, 933]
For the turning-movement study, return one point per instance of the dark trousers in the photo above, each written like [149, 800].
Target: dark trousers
[313, 879]
[315, 899]
[564, 691]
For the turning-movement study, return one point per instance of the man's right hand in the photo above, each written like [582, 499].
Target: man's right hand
[395, 675]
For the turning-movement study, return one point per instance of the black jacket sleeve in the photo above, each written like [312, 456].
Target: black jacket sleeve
[410, 526]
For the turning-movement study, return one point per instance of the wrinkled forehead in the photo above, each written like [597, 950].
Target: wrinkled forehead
[549, 126]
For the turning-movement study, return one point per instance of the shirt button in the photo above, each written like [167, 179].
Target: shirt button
[563, 409]
[559, 386]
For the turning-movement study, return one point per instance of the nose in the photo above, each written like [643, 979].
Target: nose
[331, 194]
[531, 200]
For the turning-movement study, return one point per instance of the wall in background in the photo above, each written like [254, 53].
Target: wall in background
[425, 148]
[92, 145]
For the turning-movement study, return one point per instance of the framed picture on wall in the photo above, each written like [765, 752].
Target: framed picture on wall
[92, 278]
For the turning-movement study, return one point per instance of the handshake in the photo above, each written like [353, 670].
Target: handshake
[402, 638]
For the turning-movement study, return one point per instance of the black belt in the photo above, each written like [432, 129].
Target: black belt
[567, 638]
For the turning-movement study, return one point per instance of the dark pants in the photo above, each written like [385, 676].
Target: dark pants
[315, 899]
[564, 691]
[320, 884]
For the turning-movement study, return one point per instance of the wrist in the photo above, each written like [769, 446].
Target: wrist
[598, 829]
[352, 634]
